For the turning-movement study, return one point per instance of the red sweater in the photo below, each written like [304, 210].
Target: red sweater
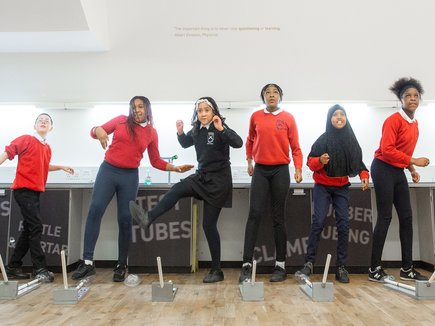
[271, 136]
[33, 162]
[398, 141]
[320, 176]
[126, 152]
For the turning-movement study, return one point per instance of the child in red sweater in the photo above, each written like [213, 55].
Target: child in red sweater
[34, 155]
[399, 138]
[334, 157]
[272, 133]
[119, 174]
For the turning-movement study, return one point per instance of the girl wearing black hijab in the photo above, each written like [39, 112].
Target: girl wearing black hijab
[334, 157]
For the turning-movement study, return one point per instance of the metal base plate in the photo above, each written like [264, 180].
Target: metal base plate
[319, 292]
[163, 294]
[252, 292]
[69, 296]
[11, 290]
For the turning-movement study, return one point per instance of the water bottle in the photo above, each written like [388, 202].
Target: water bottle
[148, 178]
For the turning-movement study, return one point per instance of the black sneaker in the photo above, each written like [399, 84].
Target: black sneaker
[279, 274]
[246, 273]
[83, 270]
[139, 215]
[215, 275]
[304, 273]
[379, 275]
[412, 275]
[44, 275]
[16, 273]
[342, 275]
[119, 273]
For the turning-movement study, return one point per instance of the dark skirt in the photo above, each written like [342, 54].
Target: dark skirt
[214, 187]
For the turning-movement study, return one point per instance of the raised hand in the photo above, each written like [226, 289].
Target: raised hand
[180, 127]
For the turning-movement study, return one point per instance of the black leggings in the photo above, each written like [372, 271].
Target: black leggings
[391, 188]
[209, 221]
[268, 181]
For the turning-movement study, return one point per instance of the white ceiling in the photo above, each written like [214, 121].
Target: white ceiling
[53, 26]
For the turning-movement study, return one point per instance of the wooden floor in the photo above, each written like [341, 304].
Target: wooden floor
[359, 303]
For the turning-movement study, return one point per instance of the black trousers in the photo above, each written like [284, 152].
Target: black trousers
[30, 237]
[210, 217]
[268, 181]
[391, 188]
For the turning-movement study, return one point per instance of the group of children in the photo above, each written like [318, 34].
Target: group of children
[273, 134]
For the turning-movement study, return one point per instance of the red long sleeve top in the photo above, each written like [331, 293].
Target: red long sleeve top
[33, 162]
[270, 138]
[398, 141]
[126, 152]
[321, 177]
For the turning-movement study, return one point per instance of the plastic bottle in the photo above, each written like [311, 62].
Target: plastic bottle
[148, 178]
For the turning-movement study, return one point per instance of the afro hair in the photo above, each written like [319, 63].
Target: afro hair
[402, 84]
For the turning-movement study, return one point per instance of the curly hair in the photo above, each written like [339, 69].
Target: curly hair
[402, 84]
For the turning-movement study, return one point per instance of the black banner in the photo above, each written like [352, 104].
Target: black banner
[298, 221]
[168, 237]
[5, 211]
[54, 216]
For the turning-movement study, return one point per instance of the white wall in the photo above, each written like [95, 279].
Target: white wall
[316, 50]
[72, 144]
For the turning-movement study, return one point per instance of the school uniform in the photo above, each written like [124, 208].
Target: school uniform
[398, 141]
[271, 136]
[212, 182]
[119, 174]
[34, 155]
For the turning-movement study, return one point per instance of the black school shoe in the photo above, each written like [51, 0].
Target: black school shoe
[304, 274]
[342, 275]
[279, 274]
[245, 273]
[412, 275]
[83, 270]
[119, 273]
[16, 273]
[215, 275]
[43, 274]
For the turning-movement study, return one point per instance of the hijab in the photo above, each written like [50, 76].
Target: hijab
[345, 155]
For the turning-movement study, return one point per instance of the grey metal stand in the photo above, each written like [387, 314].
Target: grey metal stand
[423, 290]
[319, 291]
[162, 291]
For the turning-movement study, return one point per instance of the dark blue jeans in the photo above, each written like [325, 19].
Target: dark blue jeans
[391, 188]
[268, 181]
[111, 180]
[323, 196]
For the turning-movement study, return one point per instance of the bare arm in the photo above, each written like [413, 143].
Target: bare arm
[3, 157]
[67, 169]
